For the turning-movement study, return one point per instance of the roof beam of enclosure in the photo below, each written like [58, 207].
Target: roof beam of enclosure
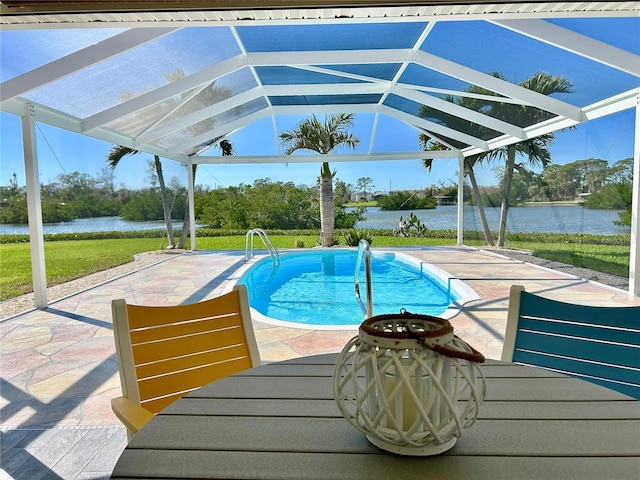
[434, 127]
[576, 43]
[334, 157]
[497, 85]
[461, 112]
[328, 57]
[233, 64]
[304, 110]
[49, 116]
[252, 94]
[615, 104]
[197, 116]
[167, 91]
[79, 60]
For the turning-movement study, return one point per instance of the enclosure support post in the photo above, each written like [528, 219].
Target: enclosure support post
[34, 208]
[634, 259]
[192, 206]
[460, 198]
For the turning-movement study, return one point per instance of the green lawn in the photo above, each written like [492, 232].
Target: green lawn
[65, 260]
[71, 259]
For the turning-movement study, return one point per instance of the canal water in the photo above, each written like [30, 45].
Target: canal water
[547, 218]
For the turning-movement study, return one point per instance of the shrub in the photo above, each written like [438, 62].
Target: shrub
[353, 237]
[411, 227]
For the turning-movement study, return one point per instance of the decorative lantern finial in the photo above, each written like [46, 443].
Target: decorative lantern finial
[409, 383]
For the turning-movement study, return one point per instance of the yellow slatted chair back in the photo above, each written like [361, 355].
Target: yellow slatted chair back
[165, 352]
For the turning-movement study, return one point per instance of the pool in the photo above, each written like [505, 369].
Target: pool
[314, 288]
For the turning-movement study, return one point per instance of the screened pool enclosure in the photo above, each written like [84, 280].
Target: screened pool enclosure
[176, 81]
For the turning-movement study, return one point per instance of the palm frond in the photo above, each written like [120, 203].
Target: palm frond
[116, 153]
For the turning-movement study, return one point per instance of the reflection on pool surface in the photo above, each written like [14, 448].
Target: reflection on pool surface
[315, 287]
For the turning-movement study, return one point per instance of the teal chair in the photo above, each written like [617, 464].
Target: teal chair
[597, 344]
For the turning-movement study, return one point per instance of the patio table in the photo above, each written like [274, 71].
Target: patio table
[280, 421]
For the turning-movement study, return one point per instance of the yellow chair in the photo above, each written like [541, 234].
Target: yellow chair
[166, 352]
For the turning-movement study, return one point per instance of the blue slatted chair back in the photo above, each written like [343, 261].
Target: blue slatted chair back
[598, 344]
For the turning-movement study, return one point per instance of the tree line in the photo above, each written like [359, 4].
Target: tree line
[283, 205]
[591, 182]
[265, 203]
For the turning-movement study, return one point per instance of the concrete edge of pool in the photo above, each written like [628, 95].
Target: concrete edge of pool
[446, 279]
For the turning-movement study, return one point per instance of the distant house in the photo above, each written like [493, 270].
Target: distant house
[361, 197]
[366, 196]
[445, 200]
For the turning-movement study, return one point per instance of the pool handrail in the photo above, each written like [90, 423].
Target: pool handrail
[248, 245]
[364, 251]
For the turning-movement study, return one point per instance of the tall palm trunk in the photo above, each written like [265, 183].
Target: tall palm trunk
[186, 223]
[488, 237]
[327, 211]
[504, 209]
[166, 206]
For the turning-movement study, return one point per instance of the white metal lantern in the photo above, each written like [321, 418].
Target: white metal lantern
[409, 383]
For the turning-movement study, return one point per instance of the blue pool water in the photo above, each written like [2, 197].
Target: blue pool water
[317, 287]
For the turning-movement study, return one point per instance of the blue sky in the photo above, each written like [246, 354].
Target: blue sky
[60, 151]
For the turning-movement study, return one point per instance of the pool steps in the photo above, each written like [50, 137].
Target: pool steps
[248, 245]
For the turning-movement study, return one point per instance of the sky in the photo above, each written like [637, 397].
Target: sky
[59, 152]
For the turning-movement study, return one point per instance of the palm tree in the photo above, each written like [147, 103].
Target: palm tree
[469, 162]
[426, 143]
[311, 134]
[113, 158]
[536, 149]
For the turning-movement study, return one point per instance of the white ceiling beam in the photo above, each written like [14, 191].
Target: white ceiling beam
[497, 85]
[275, 110]
[337, 73]
[167, 91]
[461, 112]
[323, 89]
[460, 93]
[433, 127]
[334, 108]
[618, 103]
[328, 57]
[195, 117]
[615, 104]
[332, 157]
[577, 43]
[55, 118]
[166, 114]
[374, 130]
[79, 60]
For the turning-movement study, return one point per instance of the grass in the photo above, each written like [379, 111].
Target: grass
[64, 261]
[70, 259]
[612, 259]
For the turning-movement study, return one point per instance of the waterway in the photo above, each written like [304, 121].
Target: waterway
[101, 224]
[547, 218]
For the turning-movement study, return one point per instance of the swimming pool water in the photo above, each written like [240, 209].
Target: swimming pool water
[317, 287]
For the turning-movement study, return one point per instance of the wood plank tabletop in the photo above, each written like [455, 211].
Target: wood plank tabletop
[280, 421]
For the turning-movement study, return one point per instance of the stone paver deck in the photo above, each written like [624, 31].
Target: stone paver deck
[58, 367]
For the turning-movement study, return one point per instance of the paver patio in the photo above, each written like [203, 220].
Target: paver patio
[58, 367]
